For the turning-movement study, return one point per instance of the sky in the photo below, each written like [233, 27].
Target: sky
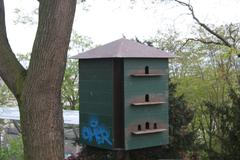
[106, 20]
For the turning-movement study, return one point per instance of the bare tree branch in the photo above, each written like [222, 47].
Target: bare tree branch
[211, 31]
[204, 41]
[198, 40]
[11, 71]
[233, 34]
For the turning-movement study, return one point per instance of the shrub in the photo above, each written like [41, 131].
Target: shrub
[13, 150]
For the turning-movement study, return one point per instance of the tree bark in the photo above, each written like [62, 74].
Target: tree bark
[11, 70]
[38, 90]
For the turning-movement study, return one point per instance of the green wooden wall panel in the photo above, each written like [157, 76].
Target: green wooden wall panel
[99, 97]
[100, 69]
[105, 120]
[135, 89]
[99, 108]
[140, 96]
[139, 84]
[97, 74]
[97, 102]
[96, 130]
[95, 93]
[96, 85]
[156, 112]
[143, 141]
[95, 64]
[137, 63]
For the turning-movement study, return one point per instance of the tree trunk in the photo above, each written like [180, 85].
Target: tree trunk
[42, 126]
[38, 90]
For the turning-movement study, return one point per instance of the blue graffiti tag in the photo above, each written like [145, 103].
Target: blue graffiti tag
[97, 132]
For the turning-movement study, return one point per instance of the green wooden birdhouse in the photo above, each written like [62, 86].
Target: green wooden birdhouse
[123, 89]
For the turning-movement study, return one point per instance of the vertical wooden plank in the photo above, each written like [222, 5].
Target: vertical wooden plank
[118, 103]
[144, 118]
[96, 102]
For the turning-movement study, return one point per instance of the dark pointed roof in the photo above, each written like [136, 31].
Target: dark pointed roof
[123, 48]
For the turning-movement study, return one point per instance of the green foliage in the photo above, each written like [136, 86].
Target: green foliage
[231, 142]
[70, 86]
[210, 75]
[24, 17]
[207, 74]
[80, 43]
[181, 116]
[13, 150]
[220, 128]
[70, 98]
[6, 97]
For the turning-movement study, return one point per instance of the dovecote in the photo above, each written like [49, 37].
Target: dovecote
[123, 88]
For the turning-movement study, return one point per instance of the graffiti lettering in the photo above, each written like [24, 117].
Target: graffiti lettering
[95, 132]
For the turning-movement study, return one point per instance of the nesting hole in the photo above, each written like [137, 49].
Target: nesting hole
[147, 125]
[146, 70]
[139, 127]
[146, 97]
[155, 126]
